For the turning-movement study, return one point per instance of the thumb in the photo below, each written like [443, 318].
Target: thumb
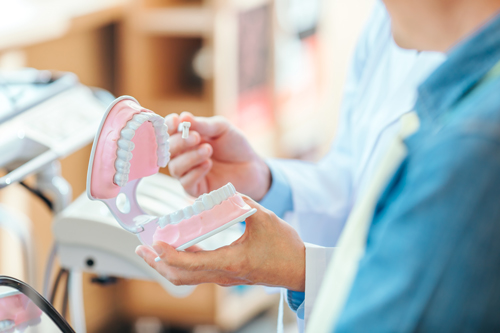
[261, 211]
[211, 127]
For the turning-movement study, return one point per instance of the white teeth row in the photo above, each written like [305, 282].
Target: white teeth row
[126, 146]
[204, 202]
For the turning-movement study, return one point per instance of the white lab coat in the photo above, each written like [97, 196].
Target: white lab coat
[382, 86]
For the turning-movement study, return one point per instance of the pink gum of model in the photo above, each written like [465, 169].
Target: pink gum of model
[18, 308]
[198, 225]
[144, 160]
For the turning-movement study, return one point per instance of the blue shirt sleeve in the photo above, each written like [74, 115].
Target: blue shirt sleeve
[296, 302]
[279, 197]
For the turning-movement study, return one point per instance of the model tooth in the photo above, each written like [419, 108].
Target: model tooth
[133, 125]
[188, 212]
[177, 216]
[222, 195]
[216, 197]
[162, 153]
[232, 189]
[162, 138]
[134, 105]
[141, 117]
[164, 220]
[227, 191]
[163, 149]
[163, 161]
[127, 133]
[158, 121]
[121, 179]
[124, 155]
[207, 200]
[122, 166]
[163, 156]
[126, 145]
[198, 207]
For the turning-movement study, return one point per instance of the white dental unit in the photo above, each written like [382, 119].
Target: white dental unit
[44, 116]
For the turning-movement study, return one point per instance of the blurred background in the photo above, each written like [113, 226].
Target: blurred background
[275, 68]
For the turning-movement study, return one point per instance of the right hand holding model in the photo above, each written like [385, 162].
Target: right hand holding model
[214, 154]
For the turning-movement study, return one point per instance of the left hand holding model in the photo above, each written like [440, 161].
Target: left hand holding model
[270, 253]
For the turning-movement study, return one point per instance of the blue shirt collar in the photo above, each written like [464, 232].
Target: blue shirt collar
[466, 65]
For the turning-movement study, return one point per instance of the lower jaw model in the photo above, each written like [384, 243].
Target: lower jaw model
[132, 143]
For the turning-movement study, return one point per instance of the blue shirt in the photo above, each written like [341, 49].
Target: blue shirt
[432, 261]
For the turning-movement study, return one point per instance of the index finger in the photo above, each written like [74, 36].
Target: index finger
[172, 122]
[193, 261]
[210, 127]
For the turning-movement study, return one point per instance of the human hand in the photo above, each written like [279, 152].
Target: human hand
[214, 154]
[270, 253]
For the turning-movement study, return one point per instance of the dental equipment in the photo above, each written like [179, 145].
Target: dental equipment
[23, 309]
[133, 143]
[42, 120]
[184, 128]
[36, 130]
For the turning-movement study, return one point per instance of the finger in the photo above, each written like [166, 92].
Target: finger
[181, 277]
[181, 164]
[176, 276]
[211, 127]
[260, 217]
[249, 201]
[194, 248]
[191, 261]
[147, 254]
[178, 145]
[192, 181]
[172, 122]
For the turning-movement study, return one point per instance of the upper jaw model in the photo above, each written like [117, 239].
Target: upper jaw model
[132, 143]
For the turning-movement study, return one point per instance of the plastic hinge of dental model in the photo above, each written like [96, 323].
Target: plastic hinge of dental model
[126, 146]
[204, 202]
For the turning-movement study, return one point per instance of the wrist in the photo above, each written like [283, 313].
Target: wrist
[298, 283]
[263, 180]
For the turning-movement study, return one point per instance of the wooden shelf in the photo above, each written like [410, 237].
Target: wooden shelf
[169, 3]
[178, 104]
[171, 66]
[179, 21]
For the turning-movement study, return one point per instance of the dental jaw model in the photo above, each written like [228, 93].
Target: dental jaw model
[132, 143]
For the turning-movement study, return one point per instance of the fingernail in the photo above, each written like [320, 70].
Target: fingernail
[157, 259]
[203, 151]
[158, 249]
[139, 252]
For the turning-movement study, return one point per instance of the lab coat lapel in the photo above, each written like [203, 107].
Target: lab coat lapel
[351, 246]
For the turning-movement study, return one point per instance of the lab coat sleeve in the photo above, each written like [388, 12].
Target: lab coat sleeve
[322, 193]
[317, 259]
[279, 197]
